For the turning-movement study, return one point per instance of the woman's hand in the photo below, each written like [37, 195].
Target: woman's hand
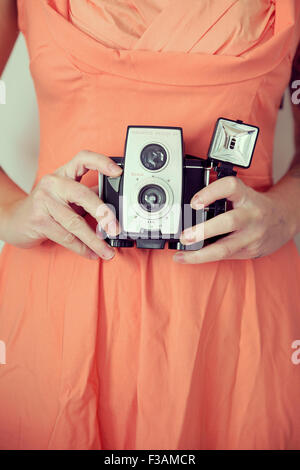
[47, 212]
[260, 223]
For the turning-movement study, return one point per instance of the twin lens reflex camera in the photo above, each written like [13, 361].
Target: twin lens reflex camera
[151, 198]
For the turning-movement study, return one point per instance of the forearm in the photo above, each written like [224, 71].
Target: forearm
[9, 193]
[287, 193]
[287, 190]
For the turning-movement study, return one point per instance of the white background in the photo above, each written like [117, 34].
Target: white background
[19, 128]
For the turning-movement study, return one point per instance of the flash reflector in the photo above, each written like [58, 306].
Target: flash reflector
[233, 142]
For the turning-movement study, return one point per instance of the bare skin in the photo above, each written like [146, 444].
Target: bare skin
[261, 223]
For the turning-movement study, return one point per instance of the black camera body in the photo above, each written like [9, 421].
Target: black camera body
[151, 198]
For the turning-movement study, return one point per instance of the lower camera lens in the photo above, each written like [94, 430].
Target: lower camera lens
[153, 157]
[152, 198]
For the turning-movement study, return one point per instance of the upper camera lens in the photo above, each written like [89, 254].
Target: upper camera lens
[153, 157]
[152, 198]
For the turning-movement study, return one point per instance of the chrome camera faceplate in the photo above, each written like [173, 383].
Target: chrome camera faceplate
[153, 160]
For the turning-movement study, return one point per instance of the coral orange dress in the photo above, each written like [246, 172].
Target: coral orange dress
[140, 352]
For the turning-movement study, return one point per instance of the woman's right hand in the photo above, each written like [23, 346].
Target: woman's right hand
[46, 213]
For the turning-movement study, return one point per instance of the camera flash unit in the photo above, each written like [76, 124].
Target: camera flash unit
[233, 142]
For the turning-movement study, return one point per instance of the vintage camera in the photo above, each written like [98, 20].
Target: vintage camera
[152, 197]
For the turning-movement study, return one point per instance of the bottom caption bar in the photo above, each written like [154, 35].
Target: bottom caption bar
[137, 458]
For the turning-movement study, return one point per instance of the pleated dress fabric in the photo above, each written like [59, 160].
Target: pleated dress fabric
[140, 352]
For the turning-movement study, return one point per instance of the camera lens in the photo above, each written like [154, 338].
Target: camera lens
[153, 157]
[152, 198]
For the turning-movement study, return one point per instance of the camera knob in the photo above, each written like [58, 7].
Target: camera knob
[117, 243]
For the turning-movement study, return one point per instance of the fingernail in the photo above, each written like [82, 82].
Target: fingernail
[108, 253]
[179, 258]
[114, 169]
[197, 202]
[188, 238]
[113, 228]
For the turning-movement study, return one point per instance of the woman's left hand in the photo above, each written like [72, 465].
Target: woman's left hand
[260, 224]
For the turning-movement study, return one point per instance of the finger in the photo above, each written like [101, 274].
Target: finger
[230, 221]
[230, 187]
[95, 189]
[61, 236]
[223, 249]
[77, 226]
[80, 210]
[76, 193]
[87, 160]
[244, 254]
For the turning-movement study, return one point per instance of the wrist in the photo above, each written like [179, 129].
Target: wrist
[288, 207]
[6, 212]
